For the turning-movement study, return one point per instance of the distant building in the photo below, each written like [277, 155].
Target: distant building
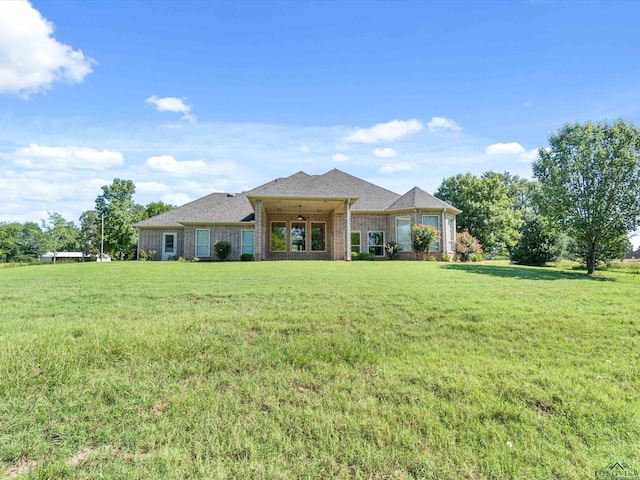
[66, 256]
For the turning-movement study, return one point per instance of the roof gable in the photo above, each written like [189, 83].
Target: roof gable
[418, 198]
[370, 197]
[299, 185]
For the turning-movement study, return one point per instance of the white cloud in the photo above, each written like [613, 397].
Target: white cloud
[441, 124]
[513, 148]
[340, 157]
[176, 198]
[150, 188]
[386, 132]
[395, 167]
[305, 149]
[530, 156]
[30, 58]
[385, 152]
[172, 104]
[168, 164]
[43, 157]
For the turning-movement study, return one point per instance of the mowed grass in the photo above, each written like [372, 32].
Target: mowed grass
[317, 370]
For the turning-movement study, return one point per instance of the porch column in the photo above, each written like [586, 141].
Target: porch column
[257, 235]
[347, 215]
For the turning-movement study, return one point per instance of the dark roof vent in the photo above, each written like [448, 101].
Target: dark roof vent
[231, 194]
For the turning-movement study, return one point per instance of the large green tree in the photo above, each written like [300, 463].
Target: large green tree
[32, 241]
[120, 213]
[90, 232]
[20, 242]
[522, 192]
[487, 211]
[9, 241]
[156, 208]
[590, 184]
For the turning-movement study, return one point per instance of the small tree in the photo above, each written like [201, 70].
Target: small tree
[467, 248]
[538, 244]
[590, 184]
[222, 249]
[60, 234]
[422, 237]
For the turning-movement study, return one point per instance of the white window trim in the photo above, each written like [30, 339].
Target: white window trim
[311, 236]
[383, 241]
[409, 241]
[451, 241]
[438, 227]
[208, 244]
[286, 236]
[359, 245]
[241, 239]
[304, 222]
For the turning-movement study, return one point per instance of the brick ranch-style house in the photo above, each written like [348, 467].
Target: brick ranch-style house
[301, 217]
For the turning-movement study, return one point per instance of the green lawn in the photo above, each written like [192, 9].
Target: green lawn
[317, 370]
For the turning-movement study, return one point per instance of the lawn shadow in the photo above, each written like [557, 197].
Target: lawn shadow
[526, 273]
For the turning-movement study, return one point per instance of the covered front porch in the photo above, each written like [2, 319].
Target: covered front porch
[302, 228]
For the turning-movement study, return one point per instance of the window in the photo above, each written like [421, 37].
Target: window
[403, 234]
[298, 236]
[246, 242]
[376, 243]
[202, 243]
[434, 221]
[355, 242]
[278, 237]
[451, 234]
[318, 237]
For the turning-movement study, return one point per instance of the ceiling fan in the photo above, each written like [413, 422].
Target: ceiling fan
[300, 217]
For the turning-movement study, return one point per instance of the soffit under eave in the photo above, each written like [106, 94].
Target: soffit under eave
[451, 210]
[159, 227]
[230, 224]
[304, 205]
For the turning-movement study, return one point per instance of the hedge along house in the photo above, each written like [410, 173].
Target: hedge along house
[301, 217]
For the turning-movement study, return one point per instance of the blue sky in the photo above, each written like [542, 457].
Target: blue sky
[186, 98]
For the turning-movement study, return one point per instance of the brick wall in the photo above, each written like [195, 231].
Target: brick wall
[217, 233]
[151, 239]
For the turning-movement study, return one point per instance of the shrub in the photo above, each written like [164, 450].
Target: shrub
[446, 258]
[195, 259]
[422, 237]
[467, 248]
[393, 249]
[538, 244]
[222, 249]
[246, 257]
[363, 256]
[147, 255]
[181, 259]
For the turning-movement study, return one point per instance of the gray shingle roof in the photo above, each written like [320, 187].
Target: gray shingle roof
[214, 208]
[299, 185]
[371, 198]
[335, 184]
[418, 198]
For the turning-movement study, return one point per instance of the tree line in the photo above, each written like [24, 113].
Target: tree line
[584, 201]
[25, 242]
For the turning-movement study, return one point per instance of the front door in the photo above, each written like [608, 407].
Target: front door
[169, 241]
